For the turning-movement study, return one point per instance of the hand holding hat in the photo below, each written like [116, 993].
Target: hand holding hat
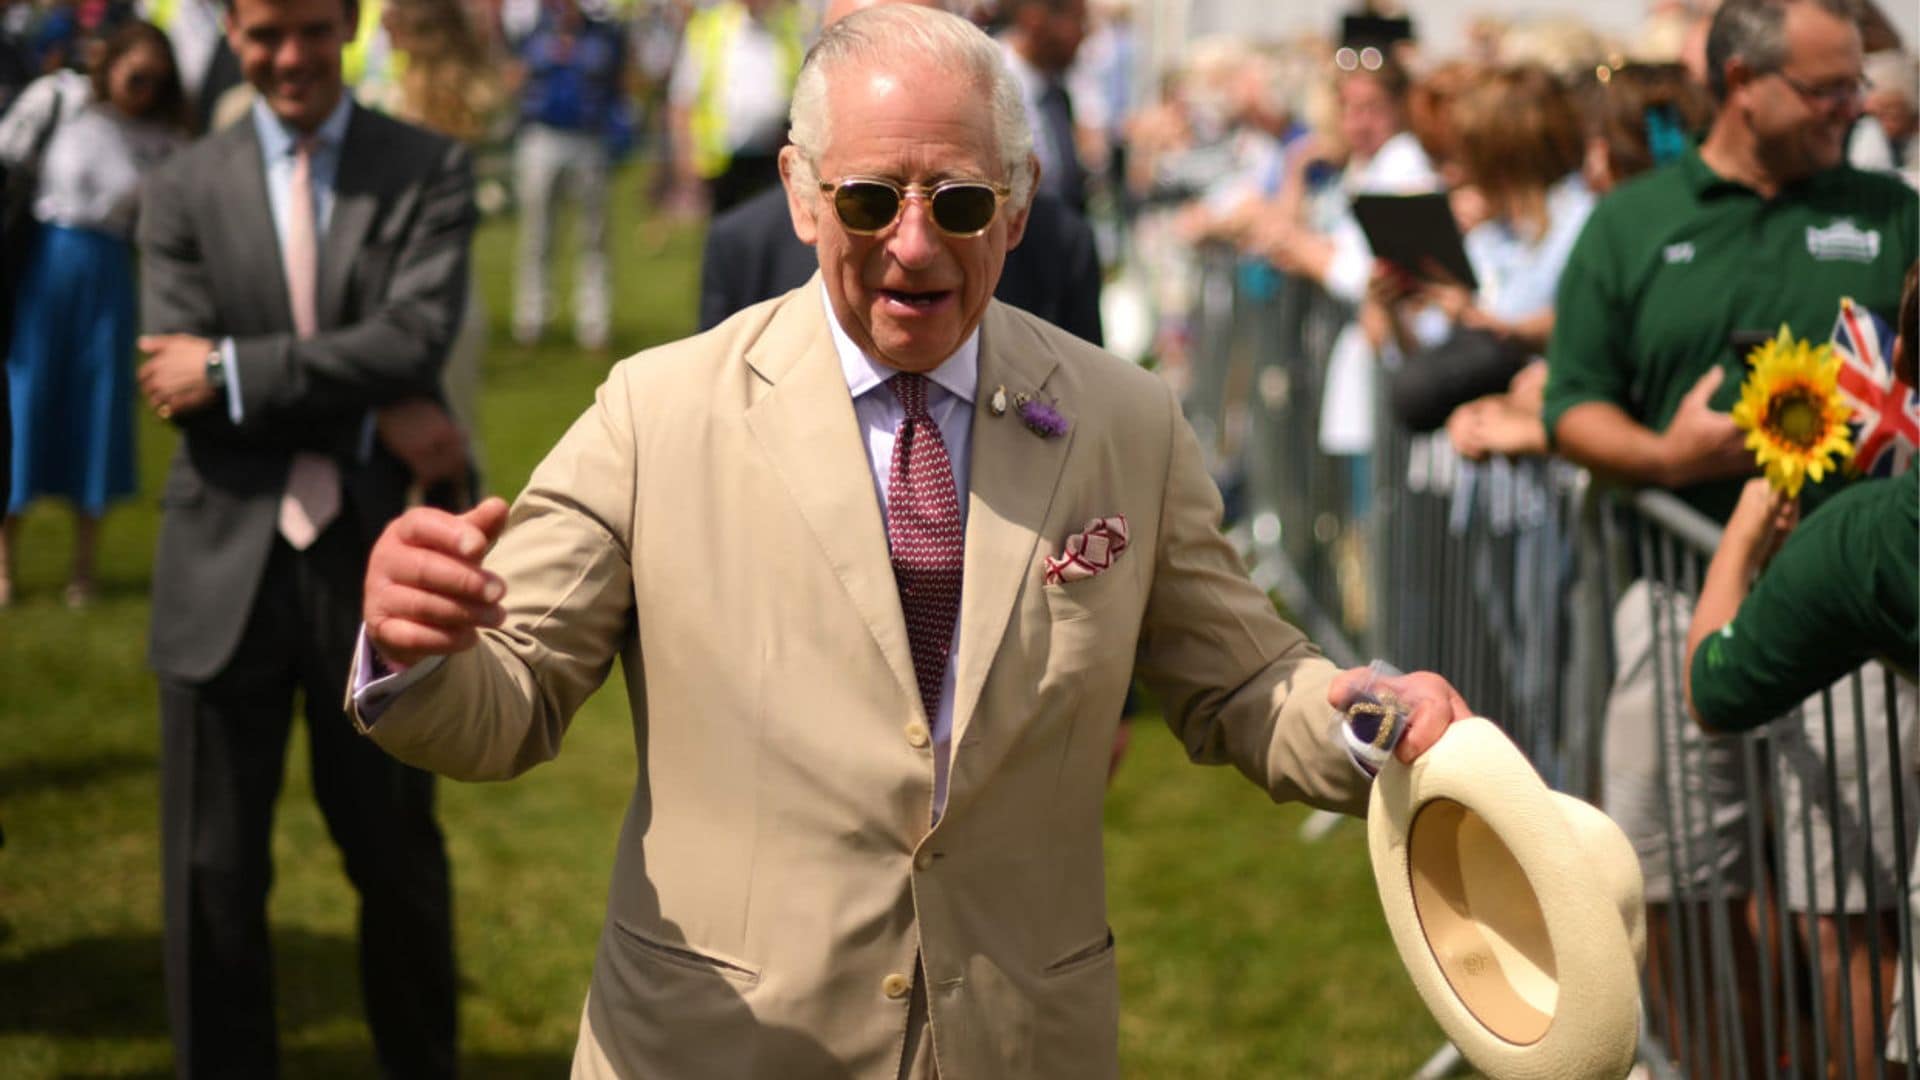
[1399, 715]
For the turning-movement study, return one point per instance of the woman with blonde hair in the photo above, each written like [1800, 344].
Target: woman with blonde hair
[443, 72]
[442, 77]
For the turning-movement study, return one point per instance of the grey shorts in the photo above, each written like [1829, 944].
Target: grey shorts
[1687, 800]
[1814, 774]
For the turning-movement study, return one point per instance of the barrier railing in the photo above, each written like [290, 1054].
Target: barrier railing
[1779, 946]
[1512, 577]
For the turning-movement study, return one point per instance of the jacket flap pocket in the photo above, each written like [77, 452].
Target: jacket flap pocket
[680, 954]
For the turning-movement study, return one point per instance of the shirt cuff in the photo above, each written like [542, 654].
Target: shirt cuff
[376, 685]
[227, 361]
[1352, 266]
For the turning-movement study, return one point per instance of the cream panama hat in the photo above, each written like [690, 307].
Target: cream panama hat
[1516, 909]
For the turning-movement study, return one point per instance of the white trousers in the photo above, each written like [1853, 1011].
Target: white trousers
[544, 159]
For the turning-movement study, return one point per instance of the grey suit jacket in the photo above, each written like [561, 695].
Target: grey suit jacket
[392, 288]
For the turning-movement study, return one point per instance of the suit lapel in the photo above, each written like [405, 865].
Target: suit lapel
[355, 197]
[805, 425]
[243, 202]
[1014, 474]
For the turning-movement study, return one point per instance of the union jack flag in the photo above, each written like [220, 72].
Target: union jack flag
[1886, 411]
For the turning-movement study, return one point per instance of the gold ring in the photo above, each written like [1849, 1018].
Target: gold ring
[164, 410]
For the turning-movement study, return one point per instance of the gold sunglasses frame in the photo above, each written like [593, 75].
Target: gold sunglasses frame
[831, 188]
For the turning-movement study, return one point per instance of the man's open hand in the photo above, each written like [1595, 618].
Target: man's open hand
[1700, 443]
[426, 593]
[425, 437]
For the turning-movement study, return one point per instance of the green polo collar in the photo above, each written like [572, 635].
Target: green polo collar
[1702, 181]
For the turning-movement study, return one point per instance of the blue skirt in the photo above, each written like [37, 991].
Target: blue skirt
[70, 371]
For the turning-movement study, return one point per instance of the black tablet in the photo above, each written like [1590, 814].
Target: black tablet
[1411, 230]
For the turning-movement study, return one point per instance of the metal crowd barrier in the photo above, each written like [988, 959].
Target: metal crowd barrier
[1505, 576]
[1765, 999]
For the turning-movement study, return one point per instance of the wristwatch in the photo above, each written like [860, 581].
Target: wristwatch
[217, 371]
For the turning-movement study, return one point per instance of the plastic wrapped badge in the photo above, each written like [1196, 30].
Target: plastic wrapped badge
[1375, 721]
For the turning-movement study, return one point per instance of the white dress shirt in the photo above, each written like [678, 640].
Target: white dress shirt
[950, 394]
[277, 145]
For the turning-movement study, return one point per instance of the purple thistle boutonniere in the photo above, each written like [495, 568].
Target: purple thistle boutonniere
[1042, 418]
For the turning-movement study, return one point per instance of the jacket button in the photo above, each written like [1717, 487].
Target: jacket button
[896, 986]
[923, 860]
[917, 736]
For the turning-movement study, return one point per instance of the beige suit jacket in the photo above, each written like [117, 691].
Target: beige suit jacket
[711, 522]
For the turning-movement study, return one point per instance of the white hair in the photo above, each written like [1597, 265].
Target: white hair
[922, 41]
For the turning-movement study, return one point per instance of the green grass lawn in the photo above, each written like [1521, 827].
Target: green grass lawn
[1244, 952]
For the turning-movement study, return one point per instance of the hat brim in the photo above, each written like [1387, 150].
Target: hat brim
[1516, 910]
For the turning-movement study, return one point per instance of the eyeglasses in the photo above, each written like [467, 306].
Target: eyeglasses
[1845, 92]
[869, 204]
[1367, 58]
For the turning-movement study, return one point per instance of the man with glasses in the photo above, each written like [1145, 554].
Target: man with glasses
[878, 559]
[1761, 225]
[752, 253]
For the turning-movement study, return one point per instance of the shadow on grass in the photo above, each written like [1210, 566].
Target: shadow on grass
[22, 777]
[114, 987]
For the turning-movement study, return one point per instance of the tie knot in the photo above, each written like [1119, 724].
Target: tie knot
[911, 390]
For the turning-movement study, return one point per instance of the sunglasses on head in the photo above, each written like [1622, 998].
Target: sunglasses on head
[866, 204]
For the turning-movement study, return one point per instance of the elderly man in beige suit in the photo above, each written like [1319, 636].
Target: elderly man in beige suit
[878, 557]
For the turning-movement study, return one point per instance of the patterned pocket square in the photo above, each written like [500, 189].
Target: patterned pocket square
[1089, 551]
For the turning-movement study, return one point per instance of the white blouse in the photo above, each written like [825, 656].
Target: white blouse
[90, 178]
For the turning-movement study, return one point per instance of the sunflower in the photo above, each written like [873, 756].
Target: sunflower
[1794, 419]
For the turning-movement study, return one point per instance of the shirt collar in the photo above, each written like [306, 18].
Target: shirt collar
[1704, 181]
[1701, 177]
[958, 374]
[277, 139]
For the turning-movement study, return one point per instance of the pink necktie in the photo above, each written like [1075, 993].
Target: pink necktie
[312, 497]
[924, 533]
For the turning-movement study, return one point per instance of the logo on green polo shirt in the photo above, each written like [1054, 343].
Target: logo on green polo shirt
[1681, 252]
[1843, 240]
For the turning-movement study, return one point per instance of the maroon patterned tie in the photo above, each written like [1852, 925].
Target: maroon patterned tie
[924, 533]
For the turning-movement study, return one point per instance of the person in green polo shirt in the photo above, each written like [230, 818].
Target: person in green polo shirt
[1673, 265]
[1843, 589]
[1760, 225]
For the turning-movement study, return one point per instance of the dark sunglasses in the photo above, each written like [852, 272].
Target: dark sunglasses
[868, 204]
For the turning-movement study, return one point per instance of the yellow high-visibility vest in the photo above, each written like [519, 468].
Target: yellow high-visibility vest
[354, 57]
[710, 33]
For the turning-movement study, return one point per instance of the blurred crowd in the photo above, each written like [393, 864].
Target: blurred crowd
[1566, 164]
[1255, 145]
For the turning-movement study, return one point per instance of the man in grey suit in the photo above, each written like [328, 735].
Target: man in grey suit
[304, 272]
